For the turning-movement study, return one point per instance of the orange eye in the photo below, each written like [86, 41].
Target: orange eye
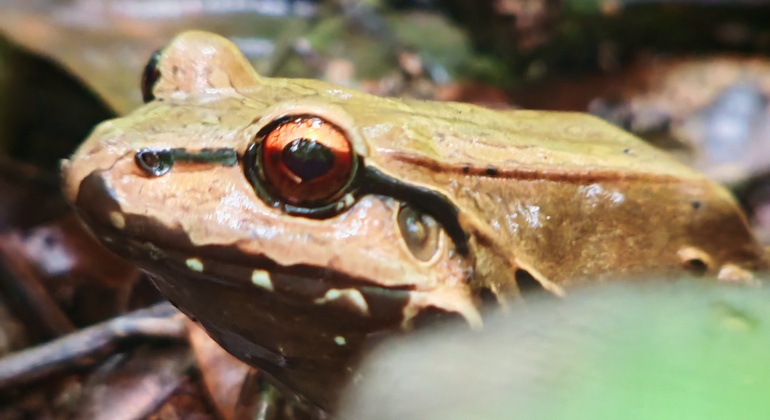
[306, 160]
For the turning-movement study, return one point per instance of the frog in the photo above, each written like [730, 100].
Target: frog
[300, 222]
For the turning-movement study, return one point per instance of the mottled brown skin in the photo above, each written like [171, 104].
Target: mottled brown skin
[565, 197]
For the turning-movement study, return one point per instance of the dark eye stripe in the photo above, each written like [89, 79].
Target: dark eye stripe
[158, 162]
[428, 201]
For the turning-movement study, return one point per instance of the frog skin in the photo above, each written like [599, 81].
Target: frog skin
[299, 221]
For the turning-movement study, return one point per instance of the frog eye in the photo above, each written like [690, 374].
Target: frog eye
[305, 160]
[150, 76]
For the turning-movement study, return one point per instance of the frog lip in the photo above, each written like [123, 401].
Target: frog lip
[218, 264]
[301, 285]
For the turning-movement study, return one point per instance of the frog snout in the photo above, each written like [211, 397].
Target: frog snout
[89, 192]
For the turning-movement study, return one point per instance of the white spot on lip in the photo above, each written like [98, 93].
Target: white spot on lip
[340, 340]
[194, 264]
[351, 295]
[261, 278]
[117, 220]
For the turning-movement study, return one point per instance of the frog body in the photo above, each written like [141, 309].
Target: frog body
[414, 207]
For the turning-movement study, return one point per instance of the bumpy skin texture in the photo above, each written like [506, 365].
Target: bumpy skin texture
[565, 197]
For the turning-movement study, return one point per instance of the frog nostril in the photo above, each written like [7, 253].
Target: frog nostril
[154, 162]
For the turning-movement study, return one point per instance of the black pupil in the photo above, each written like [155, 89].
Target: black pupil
[307, 158]
[150, 160]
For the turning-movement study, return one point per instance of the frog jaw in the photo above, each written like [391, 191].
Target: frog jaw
[285, 317]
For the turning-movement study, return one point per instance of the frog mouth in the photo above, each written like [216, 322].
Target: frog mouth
[166, 255]
[261, 274]
[303, 286]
